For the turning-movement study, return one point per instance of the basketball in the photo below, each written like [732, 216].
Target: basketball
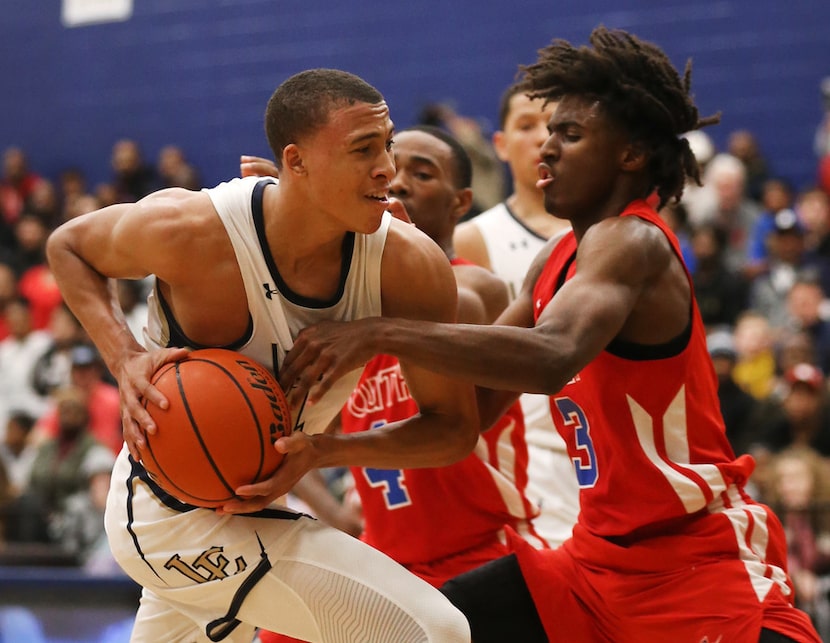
[226, 411]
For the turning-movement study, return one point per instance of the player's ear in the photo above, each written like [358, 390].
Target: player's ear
[463, 203]
[635, 157]
[292, 159]
[500, 146]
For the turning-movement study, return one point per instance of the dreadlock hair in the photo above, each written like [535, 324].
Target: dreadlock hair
[638, 87]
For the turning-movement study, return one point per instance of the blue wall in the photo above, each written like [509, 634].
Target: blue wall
[198, 73]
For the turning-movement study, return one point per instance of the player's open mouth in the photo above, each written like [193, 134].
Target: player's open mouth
[380, 198]
[545, 176]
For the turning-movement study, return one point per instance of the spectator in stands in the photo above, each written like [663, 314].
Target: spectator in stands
[721, 292]
[132, 295]
[743, 145]
[16, 184]
[106, 194]
[62, 464]
[677, 218]
[44, 203]
[733, 212]
[82, 205]
[754, 343]
[737, 406]
[30, 233]
[799, 415]
[75, 197]
[19, 353]
[72, 184]
[132, 177]
[813, 208]
[35, 280]
[777, 195]
[8, 291]
[80, 526]
[17, 451]
[53, 369]
[770, 288]
[794, 347]
[175, 171]
[799, 493]
[101, 398]
[807, 311]
[699, 200]
[38, 285]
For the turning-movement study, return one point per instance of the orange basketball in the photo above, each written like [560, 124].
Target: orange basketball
[226, 411]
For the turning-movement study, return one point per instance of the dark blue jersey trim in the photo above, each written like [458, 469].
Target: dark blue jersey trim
[290, 295]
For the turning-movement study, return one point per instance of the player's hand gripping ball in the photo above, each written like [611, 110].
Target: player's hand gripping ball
[226, 411]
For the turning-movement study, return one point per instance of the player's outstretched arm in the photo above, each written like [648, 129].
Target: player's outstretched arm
[613, 268]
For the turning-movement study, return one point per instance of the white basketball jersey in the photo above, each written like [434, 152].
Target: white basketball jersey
[278, 314]
[511, 245]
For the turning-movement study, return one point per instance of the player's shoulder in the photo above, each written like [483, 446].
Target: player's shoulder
[174, 200]
[417, 281]
[404, 237]
[628, 234]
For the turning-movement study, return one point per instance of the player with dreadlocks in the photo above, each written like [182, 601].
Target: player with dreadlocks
[668, 545]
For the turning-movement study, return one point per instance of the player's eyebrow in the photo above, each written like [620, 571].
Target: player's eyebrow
[424, 159]
[372, 135]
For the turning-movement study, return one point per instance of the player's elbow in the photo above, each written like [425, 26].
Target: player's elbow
[57, 244]
[464, 437]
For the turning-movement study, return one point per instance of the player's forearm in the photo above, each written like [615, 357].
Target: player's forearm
[504, 358]
[427, 440]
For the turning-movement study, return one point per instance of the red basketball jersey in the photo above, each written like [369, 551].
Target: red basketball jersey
[642, 424]
[424, 516]
[662, 498]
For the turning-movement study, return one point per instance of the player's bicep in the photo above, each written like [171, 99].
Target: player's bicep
[436, 394]
[131, 241]
[590, 309]
[99, 240]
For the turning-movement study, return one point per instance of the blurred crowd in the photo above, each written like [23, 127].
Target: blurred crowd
[60, 421]
[757, 247]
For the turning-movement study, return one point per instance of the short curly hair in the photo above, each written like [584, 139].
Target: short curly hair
[303, 103]
[638, 87]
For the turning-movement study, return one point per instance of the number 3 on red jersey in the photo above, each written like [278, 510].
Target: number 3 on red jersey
[585, 463]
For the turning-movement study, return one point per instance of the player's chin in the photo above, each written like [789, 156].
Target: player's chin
[375, 214]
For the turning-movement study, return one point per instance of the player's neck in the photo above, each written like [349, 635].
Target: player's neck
[313, 244]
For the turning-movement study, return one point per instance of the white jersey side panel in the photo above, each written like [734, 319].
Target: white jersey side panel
[512, 247]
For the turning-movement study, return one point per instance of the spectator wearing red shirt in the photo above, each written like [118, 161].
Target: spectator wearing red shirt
[103, 401]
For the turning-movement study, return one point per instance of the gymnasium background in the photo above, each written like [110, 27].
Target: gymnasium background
[197, 74]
